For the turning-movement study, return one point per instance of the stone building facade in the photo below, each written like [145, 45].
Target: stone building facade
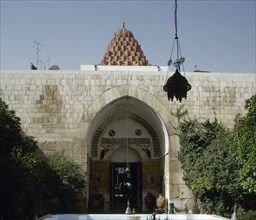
[117, 123]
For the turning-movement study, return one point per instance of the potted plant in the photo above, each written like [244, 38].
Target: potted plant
[209, 206]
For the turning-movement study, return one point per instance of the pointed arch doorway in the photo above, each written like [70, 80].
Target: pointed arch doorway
[125, 122]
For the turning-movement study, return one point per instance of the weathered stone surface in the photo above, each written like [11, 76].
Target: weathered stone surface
[63, 109]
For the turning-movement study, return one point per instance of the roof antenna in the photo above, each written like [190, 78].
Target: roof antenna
[37, 46]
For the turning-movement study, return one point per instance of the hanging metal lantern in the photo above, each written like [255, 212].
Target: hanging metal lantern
[177, 86]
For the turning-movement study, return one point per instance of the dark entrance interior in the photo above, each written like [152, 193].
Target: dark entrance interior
[125, 186]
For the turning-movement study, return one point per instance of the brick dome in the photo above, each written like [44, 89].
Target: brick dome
[124, 50]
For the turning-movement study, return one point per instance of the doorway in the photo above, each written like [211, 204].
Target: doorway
[125, 186]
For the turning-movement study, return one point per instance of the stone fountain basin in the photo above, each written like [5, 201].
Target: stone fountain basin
[131, 217]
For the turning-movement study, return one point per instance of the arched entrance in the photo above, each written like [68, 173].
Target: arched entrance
[127, 133]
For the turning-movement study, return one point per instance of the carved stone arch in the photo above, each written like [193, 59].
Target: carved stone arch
[124, 115]
[93, 114]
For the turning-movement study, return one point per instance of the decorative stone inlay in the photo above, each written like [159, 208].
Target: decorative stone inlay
[123, 141]
[97, 135]
[111, 133]
[138, 132]
[146, 149]
[107, 144]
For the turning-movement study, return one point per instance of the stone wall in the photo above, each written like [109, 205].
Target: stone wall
[58, 107]
[53, 104]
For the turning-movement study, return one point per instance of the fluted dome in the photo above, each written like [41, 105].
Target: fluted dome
[124, 50]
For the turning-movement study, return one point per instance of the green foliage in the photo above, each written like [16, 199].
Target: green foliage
[250, 215]
[17, 156]
[69, 172]
[11, 134]
[219, 165]
[195, 137]
[244, 146]
[30, 183]
[9, 129]
[59, 184]
[208, 169]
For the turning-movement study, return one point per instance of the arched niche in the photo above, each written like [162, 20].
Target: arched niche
[134, 110]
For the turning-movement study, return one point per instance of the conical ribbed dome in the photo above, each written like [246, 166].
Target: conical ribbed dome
[124, 50]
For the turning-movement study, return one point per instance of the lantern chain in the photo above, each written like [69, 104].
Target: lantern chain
[179, 60]
[176, 20]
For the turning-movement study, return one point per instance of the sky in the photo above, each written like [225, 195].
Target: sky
[214, 35]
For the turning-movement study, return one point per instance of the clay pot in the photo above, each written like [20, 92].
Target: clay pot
[209, 210]
[160, 203]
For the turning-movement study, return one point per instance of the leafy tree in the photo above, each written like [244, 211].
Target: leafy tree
[72, 183]
[11, 135]
[31, 183]
[60, 184]
[244, 151]
[16, 150]
[69, 171]
[204, 155]
[219, 165]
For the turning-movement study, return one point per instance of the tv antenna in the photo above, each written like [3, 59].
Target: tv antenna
[37, 47]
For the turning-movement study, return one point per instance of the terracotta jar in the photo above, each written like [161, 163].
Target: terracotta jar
[160, 203]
